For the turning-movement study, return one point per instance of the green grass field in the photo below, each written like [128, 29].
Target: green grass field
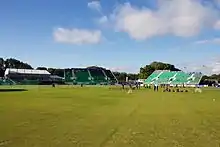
[103, 117]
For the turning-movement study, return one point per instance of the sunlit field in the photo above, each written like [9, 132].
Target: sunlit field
[68, 116]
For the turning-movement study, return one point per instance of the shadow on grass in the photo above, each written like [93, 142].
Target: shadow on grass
[12, 90]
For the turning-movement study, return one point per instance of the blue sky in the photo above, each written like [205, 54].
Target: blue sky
[119, 34]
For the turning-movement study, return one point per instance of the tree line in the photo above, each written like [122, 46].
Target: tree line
[121, 76]
[12, 63]
[149, 69]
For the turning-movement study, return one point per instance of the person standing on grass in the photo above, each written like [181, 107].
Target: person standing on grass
[137, 85]
[130, 86]
[154, 87]
[53, 85]
[123, 86]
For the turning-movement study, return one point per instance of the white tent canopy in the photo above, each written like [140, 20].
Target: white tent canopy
[26, 71]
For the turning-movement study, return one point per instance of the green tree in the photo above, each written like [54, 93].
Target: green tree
[1, 63]
[121, 76]
[1, 67]
[59, 72]
[51, 70]
[146, 71]
[41, 68]
[149, 69]
[132, 76]
[163, 66]
[13, 63]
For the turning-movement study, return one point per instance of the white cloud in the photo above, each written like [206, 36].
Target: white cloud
[95, 5]
[182, 18]
[124, 69]
[217, 25]
[209, 66]
[77, 36]
[202, 41]
[212, 68]
[217, 2]
[103, 19]
[214, 40]
[216, 66]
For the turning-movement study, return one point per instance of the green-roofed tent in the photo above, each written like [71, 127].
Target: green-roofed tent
[173, 78]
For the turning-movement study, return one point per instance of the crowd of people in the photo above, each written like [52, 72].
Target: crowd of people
[157, 87]
[135, 85]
